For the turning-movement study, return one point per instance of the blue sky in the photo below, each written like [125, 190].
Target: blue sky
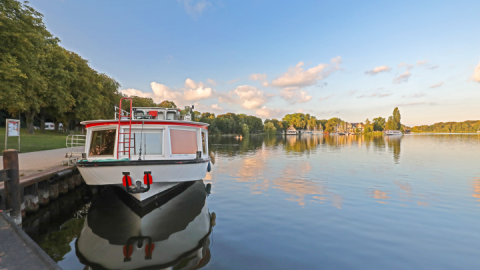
[349, 59]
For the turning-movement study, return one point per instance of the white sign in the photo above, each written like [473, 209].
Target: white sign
[13, 127]
[12, 130]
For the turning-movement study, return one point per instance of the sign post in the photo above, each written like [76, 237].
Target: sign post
[12, 130]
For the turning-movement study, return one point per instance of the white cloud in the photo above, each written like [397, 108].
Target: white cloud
[265, 112]
[407, 66]
[216, 107]
[402, 78]
[197, 94]
[293, 96]
[423, 62]
[260, 77]
[327, 97]
[298, 77]
[437, 85]
[212, 82]
[163, 92]
[476, 73]
[233, 80]
[248, 97]
[376, 95]
[378, 70]
[194, 8]
[192, 91]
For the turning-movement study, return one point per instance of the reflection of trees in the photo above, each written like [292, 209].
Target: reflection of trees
[394, 146]
[229, 146]
[301, 144]
[57, 244]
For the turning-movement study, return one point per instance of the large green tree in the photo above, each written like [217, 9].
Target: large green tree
[23, 42]
[379, 123]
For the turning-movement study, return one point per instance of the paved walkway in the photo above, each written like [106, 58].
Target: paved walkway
[34, 162]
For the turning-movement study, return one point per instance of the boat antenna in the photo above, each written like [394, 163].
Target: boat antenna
[141, 137]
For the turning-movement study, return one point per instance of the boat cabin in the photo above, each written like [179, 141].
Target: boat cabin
[150, 134]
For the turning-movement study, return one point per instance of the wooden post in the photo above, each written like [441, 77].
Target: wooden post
[13, 199]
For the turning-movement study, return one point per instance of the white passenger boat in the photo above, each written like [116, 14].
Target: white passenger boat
[174, 234]
[393, 132]
[148, 151]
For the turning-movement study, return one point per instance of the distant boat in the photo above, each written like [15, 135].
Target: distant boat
[393, 132]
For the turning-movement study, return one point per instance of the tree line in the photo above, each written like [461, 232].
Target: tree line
[450, 127]
[42, 80]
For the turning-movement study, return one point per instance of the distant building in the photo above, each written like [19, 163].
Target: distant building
[354, 126]
[291, 130]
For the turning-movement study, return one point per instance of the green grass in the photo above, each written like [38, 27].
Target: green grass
[31, 143]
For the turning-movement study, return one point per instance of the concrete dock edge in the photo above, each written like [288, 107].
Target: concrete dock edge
[18, 250]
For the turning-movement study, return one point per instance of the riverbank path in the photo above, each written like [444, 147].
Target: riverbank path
[34, 162]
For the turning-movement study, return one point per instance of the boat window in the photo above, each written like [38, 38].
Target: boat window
[161, 116]
[170, 116]
[150, 140]
[204, 142]
[183, 141]
[102, 143]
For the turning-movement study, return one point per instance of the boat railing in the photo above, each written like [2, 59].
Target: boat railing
[119, 112]
[76, 144]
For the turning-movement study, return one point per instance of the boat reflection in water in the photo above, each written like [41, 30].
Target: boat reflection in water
[172, 234]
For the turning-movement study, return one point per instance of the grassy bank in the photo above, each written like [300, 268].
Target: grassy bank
[31, 143]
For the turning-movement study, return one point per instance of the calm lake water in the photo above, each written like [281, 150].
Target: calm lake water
[310, 202]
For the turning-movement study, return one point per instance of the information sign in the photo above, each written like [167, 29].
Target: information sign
[12, 130]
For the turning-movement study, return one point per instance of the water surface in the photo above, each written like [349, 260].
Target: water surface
[319, 202]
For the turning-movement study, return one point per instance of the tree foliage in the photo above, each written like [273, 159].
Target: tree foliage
[450, 127]
[231, 123]
[379, 123]
[39, 78]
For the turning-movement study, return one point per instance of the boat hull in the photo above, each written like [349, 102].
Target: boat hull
[164, 176]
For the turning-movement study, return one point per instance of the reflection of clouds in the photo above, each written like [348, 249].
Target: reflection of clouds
[379, 195]
[476, 188]
[293, 182]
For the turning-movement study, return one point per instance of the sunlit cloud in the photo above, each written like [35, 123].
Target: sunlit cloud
[405, 65]
[402, 78]
[377, 95]
[265, 112]
[260, 77]
[298, 77]
[192, 92]
[437, 85]
[378, 70]
[212, 82]
[248, 97]
[421, 63]
[293, 95]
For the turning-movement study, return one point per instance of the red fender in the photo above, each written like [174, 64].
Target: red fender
[127, 180]
[149, 177]
[127, 251]
[149, 250]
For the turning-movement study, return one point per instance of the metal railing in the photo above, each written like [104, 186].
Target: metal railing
[119, 112]
[76, 143]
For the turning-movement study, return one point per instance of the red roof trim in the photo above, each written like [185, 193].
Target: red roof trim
[146, 123]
